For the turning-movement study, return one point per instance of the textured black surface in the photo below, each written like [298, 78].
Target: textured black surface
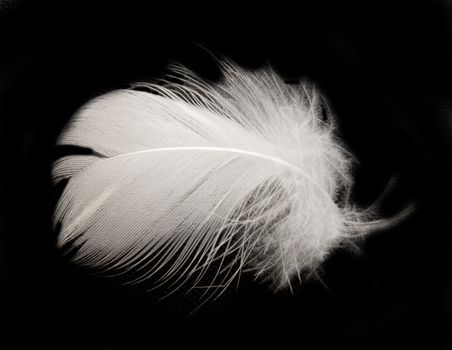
[386, 69]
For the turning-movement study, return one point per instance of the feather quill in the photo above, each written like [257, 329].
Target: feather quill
[245, 174]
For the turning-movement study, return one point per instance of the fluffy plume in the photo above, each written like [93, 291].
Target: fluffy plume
[245, 174]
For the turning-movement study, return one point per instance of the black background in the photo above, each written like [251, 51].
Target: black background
[385, 68]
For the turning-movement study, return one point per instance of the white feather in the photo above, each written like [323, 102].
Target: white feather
[245, 173]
